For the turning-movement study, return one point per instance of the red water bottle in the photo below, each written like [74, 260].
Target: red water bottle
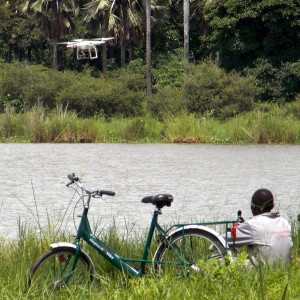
[233, 232]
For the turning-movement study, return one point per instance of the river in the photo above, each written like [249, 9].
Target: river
[208, 182]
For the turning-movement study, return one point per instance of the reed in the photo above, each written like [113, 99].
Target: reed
[265, 124]
[12, 126]
[273, 127]
[143, 129]
[185, 128]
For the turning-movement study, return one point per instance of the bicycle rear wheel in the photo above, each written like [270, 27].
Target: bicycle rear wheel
[51, 270]
[189, 250]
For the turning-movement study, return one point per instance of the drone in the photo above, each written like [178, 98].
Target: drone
[86, 49]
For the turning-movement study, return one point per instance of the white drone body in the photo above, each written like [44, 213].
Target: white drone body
[86, 49]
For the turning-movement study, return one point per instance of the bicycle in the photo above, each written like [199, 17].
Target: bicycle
[185, 247]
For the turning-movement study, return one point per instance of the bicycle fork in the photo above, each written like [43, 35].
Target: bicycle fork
[64, 262]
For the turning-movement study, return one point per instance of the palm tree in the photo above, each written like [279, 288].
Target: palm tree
[122, 19]
[148, 50]
[129, 23]
[54, 17]
[99, 12]
[125, 20]
[186, 29]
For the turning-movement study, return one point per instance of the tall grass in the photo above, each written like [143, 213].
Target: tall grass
[265, 124]
[234, 281]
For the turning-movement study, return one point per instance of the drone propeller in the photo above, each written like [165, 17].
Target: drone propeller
[95, 39]
[103, 39]
[86, 40]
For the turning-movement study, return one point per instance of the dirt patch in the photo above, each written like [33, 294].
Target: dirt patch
[188, 140]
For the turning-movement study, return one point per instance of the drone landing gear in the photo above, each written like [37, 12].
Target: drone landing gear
[90, 53]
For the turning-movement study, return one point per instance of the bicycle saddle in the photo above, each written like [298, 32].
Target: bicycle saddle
[159, 200]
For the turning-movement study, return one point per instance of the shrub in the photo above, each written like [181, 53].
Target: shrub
[210, 88]
[293, 108]
[278, 83]
[166, 101]
[168, 71]
[133, 76]
[99, 96]
[23, 87]
[13, 83]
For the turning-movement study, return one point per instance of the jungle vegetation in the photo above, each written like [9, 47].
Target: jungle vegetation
[241, 55]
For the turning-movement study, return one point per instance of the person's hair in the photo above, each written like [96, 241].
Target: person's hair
[263, 199]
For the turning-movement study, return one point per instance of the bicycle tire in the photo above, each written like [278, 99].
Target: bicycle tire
[49, 271]
[195, 247]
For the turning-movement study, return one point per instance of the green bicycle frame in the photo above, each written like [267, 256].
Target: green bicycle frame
[167, 239]
[84, 232]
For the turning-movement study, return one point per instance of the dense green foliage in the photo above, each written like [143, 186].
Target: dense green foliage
[279, 83]
[260, 36]
[50, 104]
[23, 87]
[253, 43]
[257, 37]
[210, 89]
[244, 31]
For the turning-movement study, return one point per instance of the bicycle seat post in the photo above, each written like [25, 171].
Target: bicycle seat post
[157, 210]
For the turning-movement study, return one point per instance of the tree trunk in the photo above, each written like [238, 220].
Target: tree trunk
[10, 53]
[186, 28]
[29, 50]
[124, 34]
[148, 50]
[104, 58]
[55, 31]
[122, 49]
[130, 52]
[54, 54]
[104, 46]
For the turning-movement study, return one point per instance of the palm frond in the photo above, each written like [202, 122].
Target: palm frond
[39, 6]
[95, 8]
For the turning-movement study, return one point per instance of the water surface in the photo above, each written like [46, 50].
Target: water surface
[208, 182]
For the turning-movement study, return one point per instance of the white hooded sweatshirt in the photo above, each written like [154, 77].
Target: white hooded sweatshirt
[268, 237]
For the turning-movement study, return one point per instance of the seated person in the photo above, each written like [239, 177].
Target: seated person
[267, 235]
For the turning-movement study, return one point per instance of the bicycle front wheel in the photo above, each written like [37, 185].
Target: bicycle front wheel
[53, 270]
[189, 250]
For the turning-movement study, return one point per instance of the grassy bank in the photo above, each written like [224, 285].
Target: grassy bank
[268, 124]
[231, 282]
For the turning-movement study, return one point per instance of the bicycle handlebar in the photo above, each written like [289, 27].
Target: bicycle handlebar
[108, 193]
[74, 179]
